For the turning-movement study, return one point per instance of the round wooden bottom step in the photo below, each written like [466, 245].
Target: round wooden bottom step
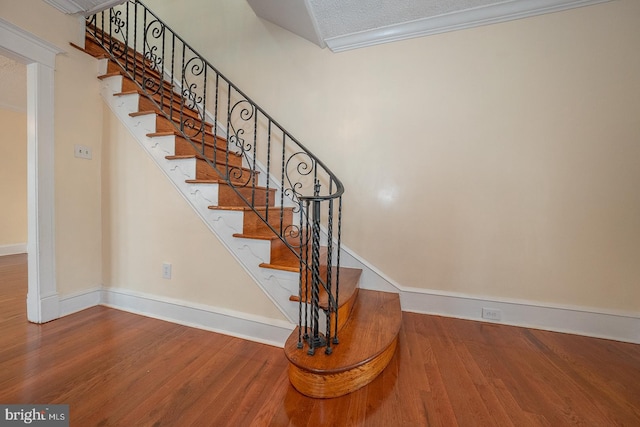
[368, 341]
[338, 384]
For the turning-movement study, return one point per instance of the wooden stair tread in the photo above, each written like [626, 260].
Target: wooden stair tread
[372, 327]
[229, 208]
[161, 113]
[247, 208]
[256, 236]
[107, 75]
[279, 267]
[103, 55]
[222, 182]
[201, 157]
[175, 122]
[206, 181]
[196, 140]
[368, 342]
[349, 279]
[168, 102]
[121, 72]
[283, 258]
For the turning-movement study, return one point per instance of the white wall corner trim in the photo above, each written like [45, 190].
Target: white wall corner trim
[469, 18]
[241, 325]
[18, 248]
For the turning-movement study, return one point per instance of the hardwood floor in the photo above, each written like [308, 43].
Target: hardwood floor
[118, 369]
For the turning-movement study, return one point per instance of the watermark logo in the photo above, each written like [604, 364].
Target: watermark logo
[34, 415]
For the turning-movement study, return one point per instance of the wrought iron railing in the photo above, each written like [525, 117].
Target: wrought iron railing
[277, 173]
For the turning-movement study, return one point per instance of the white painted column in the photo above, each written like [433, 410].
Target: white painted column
[42, 300]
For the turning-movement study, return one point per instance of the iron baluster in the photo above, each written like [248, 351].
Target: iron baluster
[203, 116]
[135, 39]
[172, 73]
[215, 123]
[252, 175]
[268, 173]
[126, 44]
[333, 305]
[304, 248]
[226, 160]
[335, 335]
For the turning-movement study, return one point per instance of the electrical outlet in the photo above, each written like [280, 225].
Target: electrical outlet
[82, 151]
[491, 314]
[166, 270]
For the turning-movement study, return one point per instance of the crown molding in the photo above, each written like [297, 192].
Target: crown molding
[84, 7]
[25, 47]
[491, 14]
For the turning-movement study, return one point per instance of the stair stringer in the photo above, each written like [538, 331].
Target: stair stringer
[278, 286]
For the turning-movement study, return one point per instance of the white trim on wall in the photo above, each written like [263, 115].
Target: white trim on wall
[242, 325]
[39, 55]
[591, 322]
[613, 325]
[18, 248]
[78, 301]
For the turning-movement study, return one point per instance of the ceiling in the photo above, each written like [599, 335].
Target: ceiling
[82, 7]
[350, 24]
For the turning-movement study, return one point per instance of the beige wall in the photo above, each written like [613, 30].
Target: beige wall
[500, 161]
[78, 120]
[147, 223]
[13, 177]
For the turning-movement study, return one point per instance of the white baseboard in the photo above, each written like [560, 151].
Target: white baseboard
[228, 322]
[79, 301]
[590, 322]
[596, 323]
[18, 248]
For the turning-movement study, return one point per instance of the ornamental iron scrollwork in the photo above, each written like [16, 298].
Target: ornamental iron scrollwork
[175, 78]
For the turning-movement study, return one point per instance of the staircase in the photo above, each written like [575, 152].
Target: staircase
[270, 201]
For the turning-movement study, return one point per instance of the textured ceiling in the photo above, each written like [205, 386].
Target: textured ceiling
[339, 17]
[84, 7]
[13, 84]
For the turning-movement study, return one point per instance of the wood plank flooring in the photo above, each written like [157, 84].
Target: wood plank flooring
[118, 369]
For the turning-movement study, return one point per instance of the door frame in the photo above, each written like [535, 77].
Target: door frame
[39, 56]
